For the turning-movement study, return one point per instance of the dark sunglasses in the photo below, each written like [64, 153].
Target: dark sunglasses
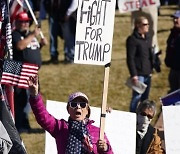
[75, 104]
[144, 114]
[145, 24]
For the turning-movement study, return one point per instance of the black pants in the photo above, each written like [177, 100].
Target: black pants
[20, 102]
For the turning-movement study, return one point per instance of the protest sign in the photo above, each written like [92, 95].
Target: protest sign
[171, 121]
[120, 128]
[94, 32]
[133, 5]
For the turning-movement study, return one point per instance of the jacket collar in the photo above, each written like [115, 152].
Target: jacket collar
[138, 35]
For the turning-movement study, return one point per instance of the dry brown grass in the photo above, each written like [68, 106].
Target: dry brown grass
[58, 81]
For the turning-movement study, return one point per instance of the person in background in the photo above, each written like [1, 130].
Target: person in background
[151, 13]
[139, 59]
[147, 138]
[77, 135]
[26, 48]
[172, 58]
[62, 22]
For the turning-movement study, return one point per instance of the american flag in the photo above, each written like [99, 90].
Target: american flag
[15, 7]
[16, 73]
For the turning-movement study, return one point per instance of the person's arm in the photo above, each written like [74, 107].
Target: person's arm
[46, 120]
[131, 51]
[43, 42]
[72, 7]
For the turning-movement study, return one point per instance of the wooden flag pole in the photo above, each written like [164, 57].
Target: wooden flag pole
[104, 101]
[33, 16]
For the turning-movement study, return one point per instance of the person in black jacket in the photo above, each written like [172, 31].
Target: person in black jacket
[172, 59]
[139, 59]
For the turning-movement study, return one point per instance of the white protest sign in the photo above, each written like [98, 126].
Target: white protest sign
[120, 128]
[133, 5]
[171, 121]
[94, 32]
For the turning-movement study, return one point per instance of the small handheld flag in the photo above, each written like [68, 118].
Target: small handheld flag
[16, 73]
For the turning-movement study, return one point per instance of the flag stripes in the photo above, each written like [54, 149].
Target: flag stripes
[16, 73]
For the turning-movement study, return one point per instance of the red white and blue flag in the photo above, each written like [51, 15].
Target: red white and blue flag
[16, 73]
[15, 7]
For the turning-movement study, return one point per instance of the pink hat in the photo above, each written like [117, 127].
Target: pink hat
[23, 16]
[77, 94]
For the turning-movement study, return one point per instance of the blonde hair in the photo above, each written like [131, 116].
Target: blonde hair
[139, 20]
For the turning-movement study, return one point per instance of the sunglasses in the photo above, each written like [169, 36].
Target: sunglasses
[145, 24]
[144, 114]
[75, 104]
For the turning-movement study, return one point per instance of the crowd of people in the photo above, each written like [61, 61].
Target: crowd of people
[141, 47]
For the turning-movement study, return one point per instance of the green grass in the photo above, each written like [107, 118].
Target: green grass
[58, 81]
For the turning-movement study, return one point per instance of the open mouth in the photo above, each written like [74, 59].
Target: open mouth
[78, 113]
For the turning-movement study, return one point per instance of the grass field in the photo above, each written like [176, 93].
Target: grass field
[58, 81]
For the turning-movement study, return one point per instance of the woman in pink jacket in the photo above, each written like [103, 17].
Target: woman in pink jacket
[75, 136]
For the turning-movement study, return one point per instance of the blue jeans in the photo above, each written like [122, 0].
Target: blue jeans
[54, 27]
[136, 97]
[69, 40]
[42, 11]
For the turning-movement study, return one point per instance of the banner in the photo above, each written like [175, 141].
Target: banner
[94, 32]
[8, 122]
[6, 33]
[171, 99]
[133, 5]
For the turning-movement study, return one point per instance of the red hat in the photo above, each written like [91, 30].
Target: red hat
[23, 16]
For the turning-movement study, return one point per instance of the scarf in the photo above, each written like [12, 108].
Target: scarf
[79, 141]
[142, 125]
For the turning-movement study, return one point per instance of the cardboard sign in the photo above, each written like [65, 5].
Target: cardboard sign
[133, 5]
[171, 120]
[94, 32]
[120, 128]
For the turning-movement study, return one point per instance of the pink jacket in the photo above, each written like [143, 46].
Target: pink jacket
[59, 128]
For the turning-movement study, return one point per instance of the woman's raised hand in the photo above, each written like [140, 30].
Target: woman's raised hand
[33, 85]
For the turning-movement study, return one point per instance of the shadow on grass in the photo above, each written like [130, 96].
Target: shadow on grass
[163, 30]
[49, 62]
[36, 131]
